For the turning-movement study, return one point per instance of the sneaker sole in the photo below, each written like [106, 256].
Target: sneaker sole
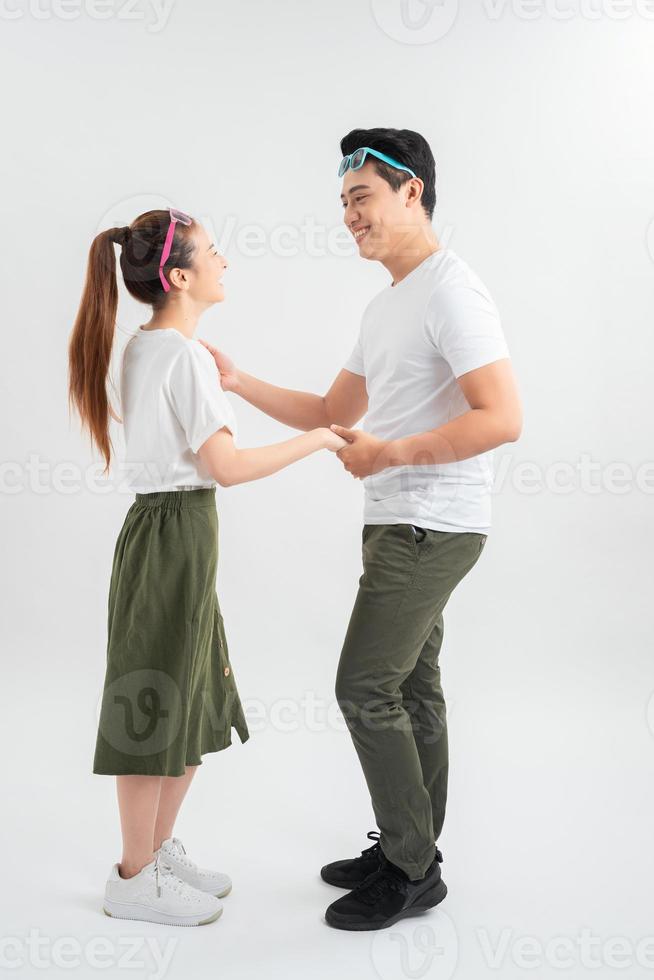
[123, 910]
[430, 899]
[208, 891]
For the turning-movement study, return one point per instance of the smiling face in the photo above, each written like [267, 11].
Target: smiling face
[203, 281]
[378, 217]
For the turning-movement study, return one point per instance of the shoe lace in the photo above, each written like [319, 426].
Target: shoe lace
[372, 888]
[372, 835]
[175, 845]
[163, 872]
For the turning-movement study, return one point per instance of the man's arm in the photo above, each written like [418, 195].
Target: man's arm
[345, 402]
[494, 417]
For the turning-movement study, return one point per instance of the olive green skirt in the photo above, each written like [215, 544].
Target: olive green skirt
[169, 691]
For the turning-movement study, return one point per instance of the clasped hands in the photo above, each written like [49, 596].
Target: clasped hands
[363, 455]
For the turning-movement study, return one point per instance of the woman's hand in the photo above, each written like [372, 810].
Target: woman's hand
[331, 440]
[226, 367]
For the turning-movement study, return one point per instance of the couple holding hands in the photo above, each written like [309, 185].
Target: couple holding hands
[431, 373]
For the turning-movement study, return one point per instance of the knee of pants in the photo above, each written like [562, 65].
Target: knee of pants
[344, 688]
[356, 694]
[353, 691]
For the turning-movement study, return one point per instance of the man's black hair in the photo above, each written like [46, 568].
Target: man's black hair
[406, 147]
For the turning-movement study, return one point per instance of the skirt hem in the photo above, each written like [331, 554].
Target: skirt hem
[225, 744]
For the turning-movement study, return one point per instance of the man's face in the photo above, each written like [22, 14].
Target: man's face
[377, 216]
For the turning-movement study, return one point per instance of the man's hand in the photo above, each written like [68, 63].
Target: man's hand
[226, 367]
[364, 455]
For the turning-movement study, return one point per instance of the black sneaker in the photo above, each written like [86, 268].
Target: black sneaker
[352, 871]
[385, 896]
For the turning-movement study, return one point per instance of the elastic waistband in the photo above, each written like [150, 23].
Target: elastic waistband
[178, 499]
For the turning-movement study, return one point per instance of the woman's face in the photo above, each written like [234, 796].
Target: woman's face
[203, 281]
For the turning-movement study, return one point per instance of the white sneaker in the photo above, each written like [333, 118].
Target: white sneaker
[156, 894]
[214, 882]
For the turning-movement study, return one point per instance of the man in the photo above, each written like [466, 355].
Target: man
[431, 372]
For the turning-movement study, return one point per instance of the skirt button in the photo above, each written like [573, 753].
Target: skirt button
[226, 671]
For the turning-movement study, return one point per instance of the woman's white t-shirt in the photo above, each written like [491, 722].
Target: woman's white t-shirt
[171, 401]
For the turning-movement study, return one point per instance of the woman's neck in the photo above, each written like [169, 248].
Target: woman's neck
[174, 316]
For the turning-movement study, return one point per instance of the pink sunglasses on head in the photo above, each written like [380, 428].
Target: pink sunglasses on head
[183, 219]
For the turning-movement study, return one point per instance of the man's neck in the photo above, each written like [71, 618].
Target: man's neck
[411, 253]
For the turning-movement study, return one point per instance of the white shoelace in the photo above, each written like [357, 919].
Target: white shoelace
[161, 869]
[180, 853]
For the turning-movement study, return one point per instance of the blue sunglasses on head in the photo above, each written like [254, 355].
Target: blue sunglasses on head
[357, 159]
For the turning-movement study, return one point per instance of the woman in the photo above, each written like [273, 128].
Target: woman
[169, 692]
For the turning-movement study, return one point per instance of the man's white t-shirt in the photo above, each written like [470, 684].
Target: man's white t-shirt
[416, 338]
[171, 401]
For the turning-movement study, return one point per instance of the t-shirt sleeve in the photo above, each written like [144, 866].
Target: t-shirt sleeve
[199, 402]
[463, 323]
[354, 362]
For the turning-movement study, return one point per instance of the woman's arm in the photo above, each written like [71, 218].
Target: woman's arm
[230, 466]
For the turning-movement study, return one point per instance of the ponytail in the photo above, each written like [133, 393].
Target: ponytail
[91, 342]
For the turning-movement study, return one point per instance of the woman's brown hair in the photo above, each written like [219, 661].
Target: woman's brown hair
[91, 341]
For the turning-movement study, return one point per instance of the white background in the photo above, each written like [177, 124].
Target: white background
[539, 116]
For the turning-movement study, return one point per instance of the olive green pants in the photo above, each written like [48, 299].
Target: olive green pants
[388, 682]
